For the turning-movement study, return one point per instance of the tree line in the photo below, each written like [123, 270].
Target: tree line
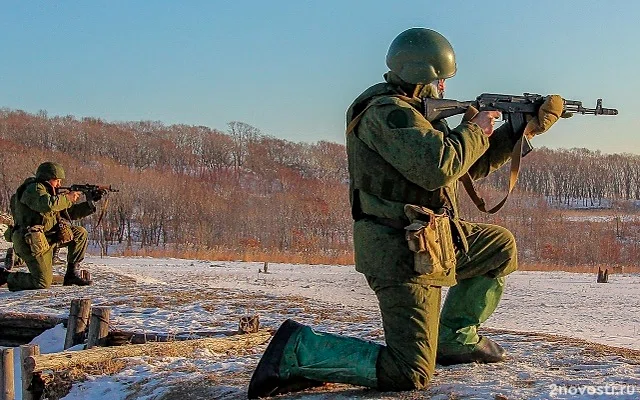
[194, 191]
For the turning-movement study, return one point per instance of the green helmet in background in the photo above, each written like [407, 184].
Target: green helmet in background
[420, 56]
[49, 170]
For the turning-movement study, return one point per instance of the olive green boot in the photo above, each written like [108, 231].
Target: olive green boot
[299, 358]
[470, 303]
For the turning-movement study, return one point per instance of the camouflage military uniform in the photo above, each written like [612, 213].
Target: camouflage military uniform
[36, 203]
[400, 166]
[397, 157]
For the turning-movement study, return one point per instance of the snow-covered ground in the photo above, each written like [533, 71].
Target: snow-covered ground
[173, 296]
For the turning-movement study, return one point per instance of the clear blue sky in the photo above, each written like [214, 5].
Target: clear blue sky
[291, 67]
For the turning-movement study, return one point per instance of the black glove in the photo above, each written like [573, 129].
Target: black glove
[96, 195]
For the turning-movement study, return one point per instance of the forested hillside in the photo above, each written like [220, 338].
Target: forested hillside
[240, 194]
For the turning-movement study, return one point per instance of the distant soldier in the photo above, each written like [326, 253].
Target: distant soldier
[41, 218]
[409, 240]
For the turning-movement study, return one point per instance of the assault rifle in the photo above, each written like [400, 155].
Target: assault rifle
[91, 191]
[514, 109]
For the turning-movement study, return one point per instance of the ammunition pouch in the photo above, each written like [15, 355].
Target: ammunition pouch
[430, 238]
[64, 234]
[36, 239]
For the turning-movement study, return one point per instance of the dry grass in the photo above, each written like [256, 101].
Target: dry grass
[613, 269]
[249, 255]
[261, 255]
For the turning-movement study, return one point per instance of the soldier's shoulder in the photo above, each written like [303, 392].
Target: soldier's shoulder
[32, 186]
[390, 100]
[383, 103]
[396, 111]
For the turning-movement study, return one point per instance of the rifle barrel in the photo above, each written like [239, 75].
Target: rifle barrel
[591, 111]
[575, 107]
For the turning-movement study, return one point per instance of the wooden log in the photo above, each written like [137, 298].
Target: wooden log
[98, 327]
[98, 355]
[17, 337]
[78, 321]
[20, 328]
[119, 337]
[11, 342]
[30, 320]
[27, 350]
[20, 332]
[7, 389]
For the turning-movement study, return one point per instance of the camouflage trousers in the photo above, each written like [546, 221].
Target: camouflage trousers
[40, 266]
[411, 311]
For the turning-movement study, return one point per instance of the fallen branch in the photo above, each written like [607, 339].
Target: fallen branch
[248, 324]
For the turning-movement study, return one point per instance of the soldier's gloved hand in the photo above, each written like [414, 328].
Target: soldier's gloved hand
[548, 114]
[96, 195]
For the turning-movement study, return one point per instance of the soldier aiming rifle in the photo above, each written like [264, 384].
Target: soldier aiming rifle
[409, 239]
[42, 210]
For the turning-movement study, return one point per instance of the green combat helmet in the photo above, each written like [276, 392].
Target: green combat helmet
[420, 56]
[49, 170]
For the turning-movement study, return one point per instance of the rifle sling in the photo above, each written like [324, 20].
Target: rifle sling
[516, 157]
[102, 211]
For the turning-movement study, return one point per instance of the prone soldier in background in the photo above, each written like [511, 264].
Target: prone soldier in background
[37, 209]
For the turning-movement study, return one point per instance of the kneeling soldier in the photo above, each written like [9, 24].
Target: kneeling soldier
[40, 229]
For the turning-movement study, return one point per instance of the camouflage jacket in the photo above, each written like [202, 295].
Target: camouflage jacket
[397, 157]
[35, 203]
